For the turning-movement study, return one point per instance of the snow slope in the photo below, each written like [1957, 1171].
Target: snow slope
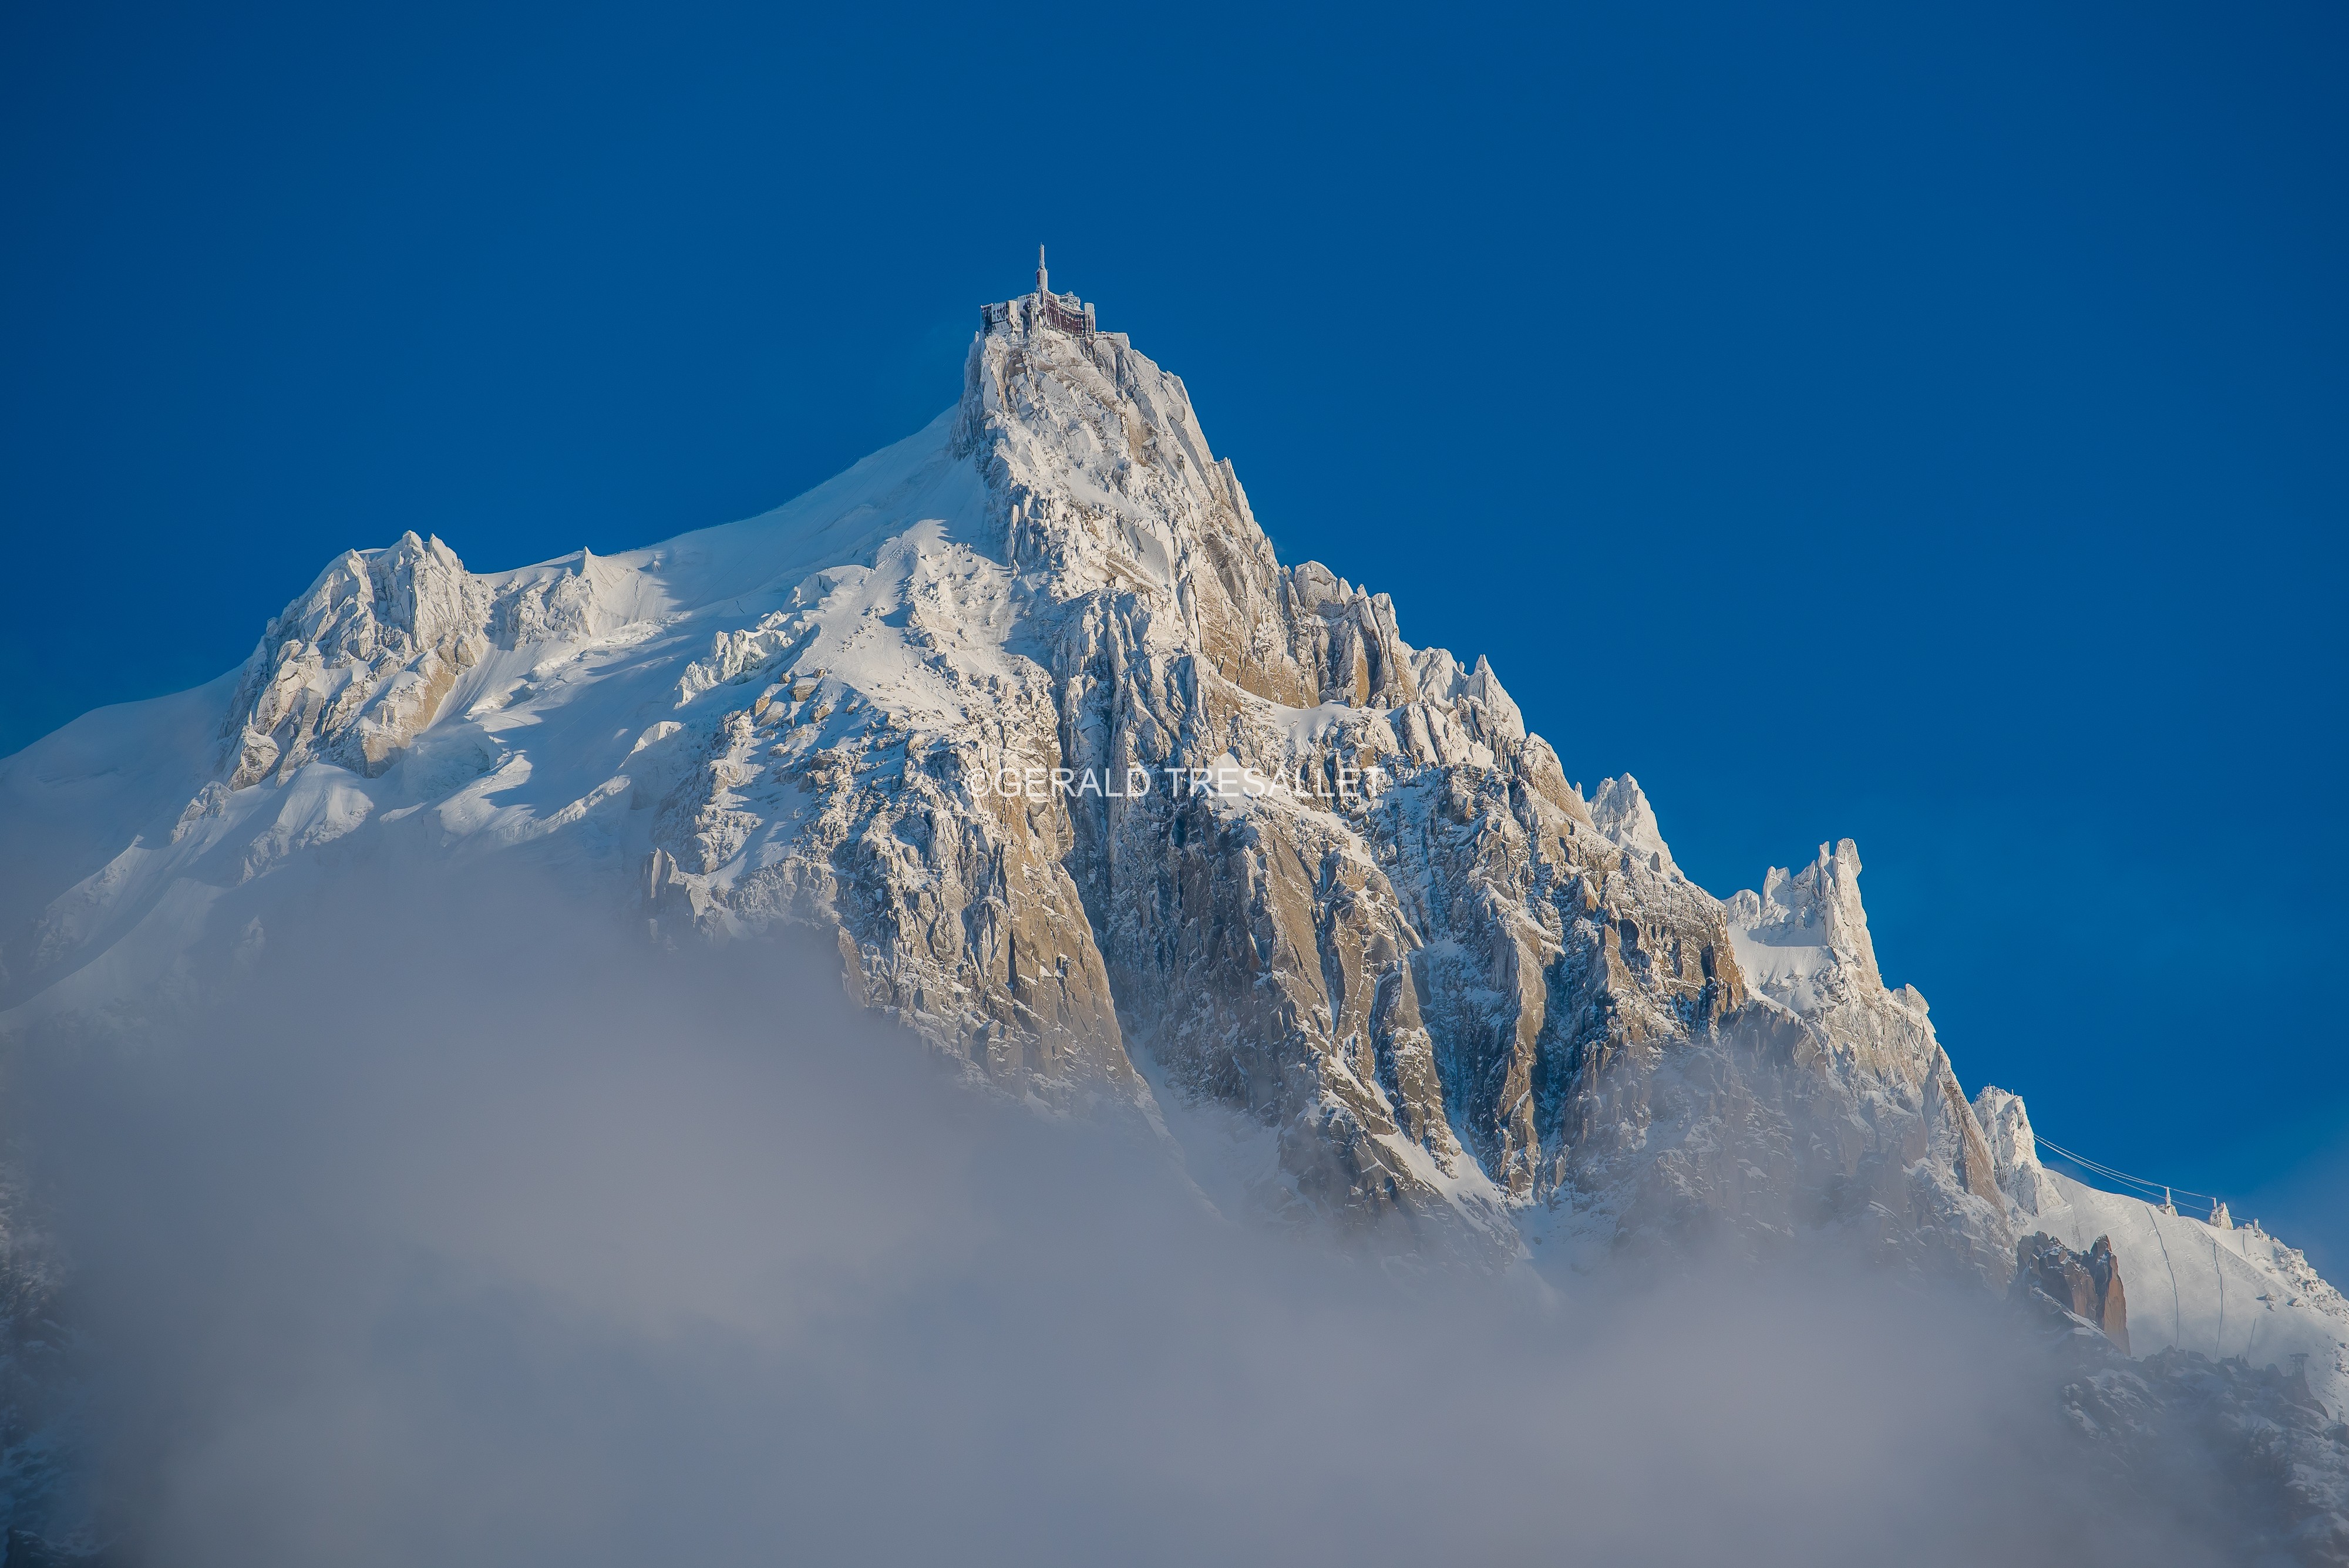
[2212, 1286]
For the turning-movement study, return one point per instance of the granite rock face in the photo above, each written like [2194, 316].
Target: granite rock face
[2015, 1152]
[2083, 1286]
[358, 665]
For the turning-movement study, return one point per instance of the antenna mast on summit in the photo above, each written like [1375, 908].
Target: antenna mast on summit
[1043, 308]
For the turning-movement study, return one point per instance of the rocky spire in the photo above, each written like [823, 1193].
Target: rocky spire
[2083, 1286]
[2014, 1151]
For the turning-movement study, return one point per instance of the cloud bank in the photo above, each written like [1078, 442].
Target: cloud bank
[452, 1235]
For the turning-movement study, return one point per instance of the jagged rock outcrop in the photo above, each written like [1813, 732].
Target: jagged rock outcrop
[2086, 1285]
[2014, 1151]
[358, 665]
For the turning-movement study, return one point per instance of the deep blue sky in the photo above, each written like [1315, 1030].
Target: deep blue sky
[1928, 426]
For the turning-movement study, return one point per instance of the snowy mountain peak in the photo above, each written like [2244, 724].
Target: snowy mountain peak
[1025, 718]
[1103, 483]
[1619, 809]
[1804, 923]
[353, 669]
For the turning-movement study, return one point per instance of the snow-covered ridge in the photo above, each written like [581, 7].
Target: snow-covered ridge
[1457, 992]
[2207, 1285]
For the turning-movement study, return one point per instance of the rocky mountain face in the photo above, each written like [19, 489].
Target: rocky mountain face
[2083, 1285]
[1107, 803]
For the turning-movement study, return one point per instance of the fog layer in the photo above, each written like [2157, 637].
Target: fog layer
[452, 1235]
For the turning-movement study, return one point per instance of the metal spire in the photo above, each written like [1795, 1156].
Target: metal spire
[1043, 279]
